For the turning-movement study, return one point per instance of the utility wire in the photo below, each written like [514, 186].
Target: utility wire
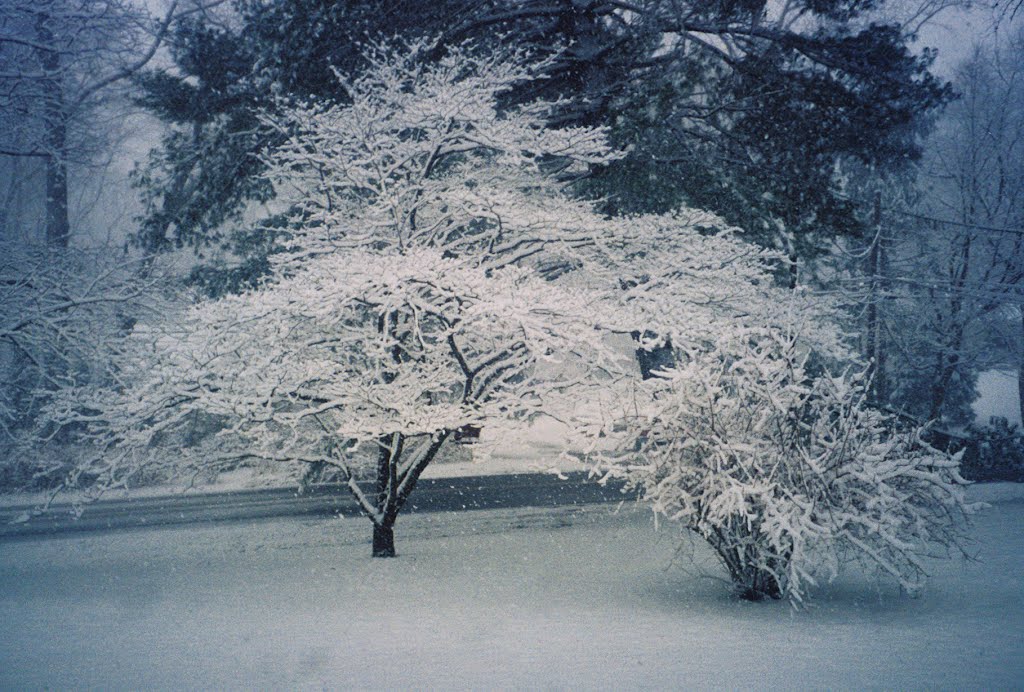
[924, 217]
[961, 224]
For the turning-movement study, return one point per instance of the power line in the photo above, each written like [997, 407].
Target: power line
[961, 224]
[924, 217]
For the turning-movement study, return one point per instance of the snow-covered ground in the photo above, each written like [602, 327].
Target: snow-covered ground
[565, 599]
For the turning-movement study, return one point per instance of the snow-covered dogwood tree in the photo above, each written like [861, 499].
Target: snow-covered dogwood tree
[433, 262]
[782, 468]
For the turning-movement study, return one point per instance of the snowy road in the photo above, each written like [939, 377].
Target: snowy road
[564, 598]
[431, 495]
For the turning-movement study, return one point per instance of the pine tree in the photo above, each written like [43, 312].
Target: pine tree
[727, 105]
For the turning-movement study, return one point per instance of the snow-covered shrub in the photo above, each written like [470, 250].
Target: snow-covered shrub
[783, 469]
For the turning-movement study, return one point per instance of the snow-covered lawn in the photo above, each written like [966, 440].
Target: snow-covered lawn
[565, 599]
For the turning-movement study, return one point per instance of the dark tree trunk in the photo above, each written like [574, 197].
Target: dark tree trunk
[876, 347]
[393, 490]
[58, 228]
[752, 583]
[387, 483]
[1020, 367]
[155, 233]
[947, 365]
[763, 585]
[949, 359]
[383, 541]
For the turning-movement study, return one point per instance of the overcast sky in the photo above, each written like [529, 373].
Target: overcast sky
[955, 32]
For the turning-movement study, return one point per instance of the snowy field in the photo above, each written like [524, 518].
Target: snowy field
[540, 599]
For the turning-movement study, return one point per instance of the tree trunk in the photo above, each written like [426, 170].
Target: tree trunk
[1020, 367]
[876, 347]
[383, 540]
[58, 228]
[940, 385]
[391, 447]
[763, 586]
[738, 554]
[949, 358]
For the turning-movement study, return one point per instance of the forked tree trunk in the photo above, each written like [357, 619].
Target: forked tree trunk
[393, 489]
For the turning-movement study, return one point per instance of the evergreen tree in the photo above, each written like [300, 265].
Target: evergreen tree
[734, 106]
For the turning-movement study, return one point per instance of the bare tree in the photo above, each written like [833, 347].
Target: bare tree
[941, 276]
[977, 169]
[61, 63]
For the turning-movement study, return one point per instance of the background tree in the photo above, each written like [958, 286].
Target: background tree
[977, 169]
[943, 266]
[741, 108]
[60, 66]
[63, 323]
[198, 184]
[712, 96]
